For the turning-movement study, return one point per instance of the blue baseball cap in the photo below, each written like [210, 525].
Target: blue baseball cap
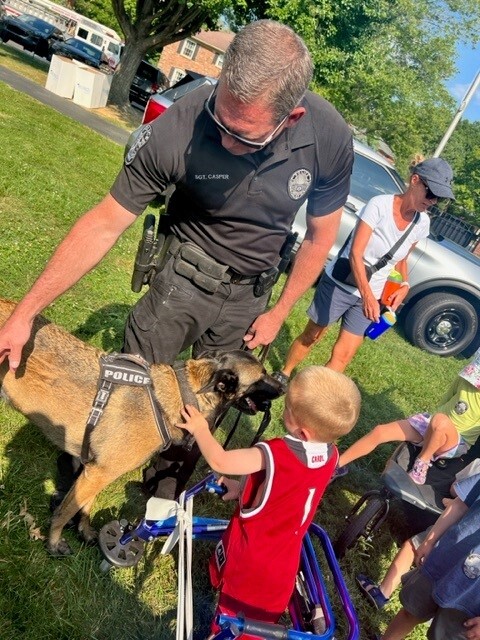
[438, 175]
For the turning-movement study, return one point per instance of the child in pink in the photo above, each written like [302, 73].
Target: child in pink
[255, 564]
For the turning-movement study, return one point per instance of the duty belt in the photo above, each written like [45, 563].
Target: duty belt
[193, 263]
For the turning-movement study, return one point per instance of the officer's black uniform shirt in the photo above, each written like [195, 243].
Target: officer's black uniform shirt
[239, 209]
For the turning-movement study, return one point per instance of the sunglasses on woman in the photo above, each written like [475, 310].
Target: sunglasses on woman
[428, 193]
[248, 143]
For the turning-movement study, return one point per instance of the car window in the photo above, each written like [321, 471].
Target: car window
[372, 179]
[85, 48]
[114, 48]
[175, 93]
[148, 72]
[42, 26]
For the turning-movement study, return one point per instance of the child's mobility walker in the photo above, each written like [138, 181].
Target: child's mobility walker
[310, 608]
[422, 504]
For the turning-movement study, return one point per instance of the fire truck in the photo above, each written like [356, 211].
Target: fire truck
[72, 24]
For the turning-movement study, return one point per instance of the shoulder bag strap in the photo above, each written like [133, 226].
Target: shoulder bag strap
[388, 256]
[339, 254]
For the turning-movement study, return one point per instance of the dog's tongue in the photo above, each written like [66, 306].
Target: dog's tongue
[251, 404]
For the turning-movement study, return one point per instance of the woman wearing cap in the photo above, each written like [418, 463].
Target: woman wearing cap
[382, 223]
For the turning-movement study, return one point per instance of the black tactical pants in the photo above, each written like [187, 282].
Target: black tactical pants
[173, 315]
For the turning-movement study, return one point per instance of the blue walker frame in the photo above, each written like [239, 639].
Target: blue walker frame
[127, 548]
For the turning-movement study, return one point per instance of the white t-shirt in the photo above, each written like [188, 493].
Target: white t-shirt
[378, 214]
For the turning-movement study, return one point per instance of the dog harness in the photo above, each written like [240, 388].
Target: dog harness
[132, 370]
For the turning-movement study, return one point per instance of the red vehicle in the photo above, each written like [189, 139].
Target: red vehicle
[159, 102]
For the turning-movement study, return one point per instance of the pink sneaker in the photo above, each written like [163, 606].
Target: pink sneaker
[418, 472]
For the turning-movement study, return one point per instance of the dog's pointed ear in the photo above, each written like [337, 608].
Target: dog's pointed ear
[223, 381]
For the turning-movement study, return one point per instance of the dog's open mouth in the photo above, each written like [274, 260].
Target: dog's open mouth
[258, 396]
[247, 405]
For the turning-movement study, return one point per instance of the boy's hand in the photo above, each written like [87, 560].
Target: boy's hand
[194, 420]
[233, 488]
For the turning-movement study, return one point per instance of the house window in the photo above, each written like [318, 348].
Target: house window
[218, 60]
[176, 75]
[188, 48]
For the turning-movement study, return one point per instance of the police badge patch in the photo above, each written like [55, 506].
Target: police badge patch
[299, 183]
[142, 139]
[461, 407]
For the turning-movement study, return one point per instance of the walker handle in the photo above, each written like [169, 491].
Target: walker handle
[253, 627]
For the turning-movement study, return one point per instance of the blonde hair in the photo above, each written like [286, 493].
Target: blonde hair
[324, 401]
[416, 159]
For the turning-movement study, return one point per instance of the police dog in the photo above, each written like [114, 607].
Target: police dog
[56, 383]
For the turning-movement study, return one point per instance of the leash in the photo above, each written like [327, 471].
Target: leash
[188, 397]
[266, 418]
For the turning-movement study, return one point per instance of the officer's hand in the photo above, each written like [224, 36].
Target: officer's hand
[14, 334]
[263, 330]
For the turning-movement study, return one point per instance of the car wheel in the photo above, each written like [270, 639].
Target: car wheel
[441, 323]
[3, 36]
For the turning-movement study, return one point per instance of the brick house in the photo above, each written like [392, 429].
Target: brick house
[201, 52]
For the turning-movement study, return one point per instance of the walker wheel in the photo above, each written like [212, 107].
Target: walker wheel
[117, 554]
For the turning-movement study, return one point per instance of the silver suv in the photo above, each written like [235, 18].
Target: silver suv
[441, 311]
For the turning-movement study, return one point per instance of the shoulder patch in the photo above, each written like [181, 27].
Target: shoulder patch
[142, 139]
[299, 183]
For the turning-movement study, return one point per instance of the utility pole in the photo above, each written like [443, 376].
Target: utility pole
[463, 105]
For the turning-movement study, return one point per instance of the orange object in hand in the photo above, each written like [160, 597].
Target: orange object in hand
[393, 283]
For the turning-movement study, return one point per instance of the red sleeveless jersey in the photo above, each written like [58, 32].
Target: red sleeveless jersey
[256, 562]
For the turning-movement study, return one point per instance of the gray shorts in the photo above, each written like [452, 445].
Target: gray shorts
[416, 598]
[331, 303]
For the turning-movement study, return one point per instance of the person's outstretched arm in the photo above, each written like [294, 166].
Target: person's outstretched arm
[236, 462]
[452, 514]
[87, 242]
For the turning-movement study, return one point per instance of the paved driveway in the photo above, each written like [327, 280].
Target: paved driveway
[65, 106]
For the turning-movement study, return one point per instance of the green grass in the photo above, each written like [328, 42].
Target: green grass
[52, 170]
[36, 69]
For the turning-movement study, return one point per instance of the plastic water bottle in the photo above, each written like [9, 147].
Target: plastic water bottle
[393, 283]
[387, 320]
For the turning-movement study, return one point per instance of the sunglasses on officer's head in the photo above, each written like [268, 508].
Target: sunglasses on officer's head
[209, 108]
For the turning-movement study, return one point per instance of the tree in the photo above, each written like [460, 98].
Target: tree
[463, 153]
[149, 26]
[383, 64]
[98, 10]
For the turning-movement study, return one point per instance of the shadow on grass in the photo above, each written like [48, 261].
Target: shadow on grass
[44, 597]
[41, 596]
[109, 322]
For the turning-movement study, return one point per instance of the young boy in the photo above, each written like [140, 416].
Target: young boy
[445, 588]
[449, 433]
[255, 564]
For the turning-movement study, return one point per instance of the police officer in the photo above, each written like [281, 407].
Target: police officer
[243, 158]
